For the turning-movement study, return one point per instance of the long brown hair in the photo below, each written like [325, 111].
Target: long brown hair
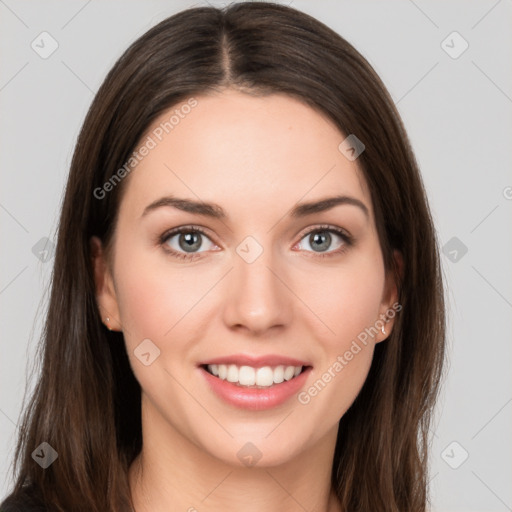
[86, 404]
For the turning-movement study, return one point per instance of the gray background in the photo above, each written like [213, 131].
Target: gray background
[457, 112]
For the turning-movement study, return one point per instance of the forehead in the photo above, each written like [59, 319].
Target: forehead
[240, 150]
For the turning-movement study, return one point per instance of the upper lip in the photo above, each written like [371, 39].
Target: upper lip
[256, 361]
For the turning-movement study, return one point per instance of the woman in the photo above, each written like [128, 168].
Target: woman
[247, 304]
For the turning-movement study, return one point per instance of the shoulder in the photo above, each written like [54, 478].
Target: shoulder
[23, 503]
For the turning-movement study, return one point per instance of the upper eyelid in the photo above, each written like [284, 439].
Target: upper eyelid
[337, 230]
[184, 229]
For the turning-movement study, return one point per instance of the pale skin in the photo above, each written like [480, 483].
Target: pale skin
[256, 157]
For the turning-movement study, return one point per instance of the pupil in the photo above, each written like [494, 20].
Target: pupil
[322, 239]
[190, 241]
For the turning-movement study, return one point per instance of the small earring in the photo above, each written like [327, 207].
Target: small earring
[107, 321]
[383, 330]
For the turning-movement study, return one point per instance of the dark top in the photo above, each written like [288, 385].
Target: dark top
[21, 504]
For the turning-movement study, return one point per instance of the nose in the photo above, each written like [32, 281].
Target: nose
[257, 298]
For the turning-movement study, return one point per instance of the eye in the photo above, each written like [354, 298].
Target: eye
[320, 239]
[185, 242]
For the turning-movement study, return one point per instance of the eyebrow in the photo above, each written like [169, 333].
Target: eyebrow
[215, 211]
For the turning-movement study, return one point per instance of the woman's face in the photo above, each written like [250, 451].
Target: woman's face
[255, 283]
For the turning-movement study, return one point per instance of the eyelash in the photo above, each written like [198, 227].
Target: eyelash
[347, 239]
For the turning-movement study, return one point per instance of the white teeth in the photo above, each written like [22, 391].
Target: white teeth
[222, 369]
[232, 373]
[278, 374]
[264, 376]
[288, 372]
[246, 376]
[249, 376]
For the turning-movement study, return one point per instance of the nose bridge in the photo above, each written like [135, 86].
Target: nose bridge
[257, 298]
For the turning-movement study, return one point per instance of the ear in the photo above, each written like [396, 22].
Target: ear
[105, 291]
[389, 306]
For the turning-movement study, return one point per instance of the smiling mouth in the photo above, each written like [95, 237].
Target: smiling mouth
[256, 378]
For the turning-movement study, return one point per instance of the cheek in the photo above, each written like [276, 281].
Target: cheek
[358, 303]
[351, 308]
[139, 303]
[153, 297]
[348, 304]
[346, 298]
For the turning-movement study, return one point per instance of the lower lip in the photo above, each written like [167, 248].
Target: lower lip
[252, 398]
